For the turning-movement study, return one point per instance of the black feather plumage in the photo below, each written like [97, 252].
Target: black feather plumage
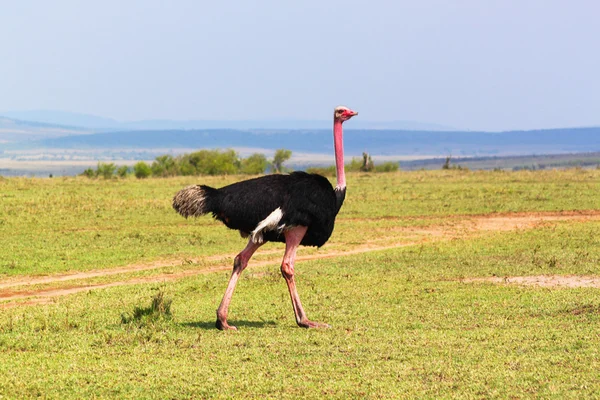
[304, 199]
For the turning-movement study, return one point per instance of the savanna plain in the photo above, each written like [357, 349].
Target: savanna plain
[105, 292]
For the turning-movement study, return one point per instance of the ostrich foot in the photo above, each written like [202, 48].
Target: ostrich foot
[311, 324]
[224, 326]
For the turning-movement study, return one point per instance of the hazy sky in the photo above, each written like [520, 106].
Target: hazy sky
[476, 64]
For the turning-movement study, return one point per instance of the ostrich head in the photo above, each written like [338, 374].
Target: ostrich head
[342, 113]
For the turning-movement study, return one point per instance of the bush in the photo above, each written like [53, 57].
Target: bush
[164, 166]
[209, 162]
[159, 309]
[203, 162]
[281, 156]
[446, 164]
[367, 164]
[254, 165]
[325, 171]
[122, 171]
[107, 171]
[387, 166]
[141, 170]
[354, 166]
[90, 173]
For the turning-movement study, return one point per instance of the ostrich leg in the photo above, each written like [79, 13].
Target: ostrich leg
[293, 237]
[239, 264]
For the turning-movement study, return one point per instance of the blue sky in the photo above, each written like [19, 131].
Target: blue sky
[472, 64]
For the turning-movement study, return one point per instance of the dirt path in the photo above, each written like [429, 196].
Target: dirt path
[44, 295]
[566, 281]
[455, 227]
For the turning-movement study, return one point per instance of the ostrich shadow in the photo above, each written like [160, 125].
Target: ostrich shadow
[210, 325]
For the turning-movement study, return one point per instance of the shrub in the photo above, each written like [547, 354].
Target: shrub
[164, 166]
[210, 162]
[387, 166]
[281, 156]
[354, 166]
[160, 308]
[141, 170]
[367, 164]
[89, 172]
[325, 171]
[446, 164]
[254, 165]
[106, 170]
[122, 171]
[203, 162]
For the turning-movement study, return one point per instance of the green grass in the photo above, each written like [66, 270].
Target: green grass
[77, 224]
[404, 325]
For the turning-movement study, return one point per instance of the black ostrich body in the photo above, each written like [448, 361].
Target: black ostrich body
[304, 200]
[297, 209]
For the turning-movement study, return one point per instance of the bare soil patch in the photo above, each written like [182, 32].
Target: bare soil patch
[550, 281]
[460, 226]
[15, 289]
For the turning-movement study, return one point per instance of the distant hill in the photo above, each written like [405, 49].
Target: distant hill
[64, 118]
[530, 162]
[276, 124]
[376, 142]
[15, 130]
[93, 122]
[60, 130]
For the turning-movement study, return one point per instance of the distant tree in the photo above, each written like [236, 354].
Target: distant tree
[209, 162]
[164, 166]
[105, 170]
[354, 166]
[387, 166]
[281, 156]
[122, 171]
[325, 171]
[225, 163]
[186, 165]
[255, 164]
[367, 164]
[447, 163]
[141, 170]
[89, 172]
[215, 162]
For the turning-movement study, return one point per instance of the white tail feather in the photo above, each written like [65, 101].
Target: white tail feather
[268, 224]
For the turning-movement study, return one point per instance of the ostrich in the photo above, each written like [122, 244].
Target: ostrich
[297, 209]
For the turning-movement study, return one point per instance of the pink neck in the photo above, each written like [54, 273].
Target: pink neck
[338, 143]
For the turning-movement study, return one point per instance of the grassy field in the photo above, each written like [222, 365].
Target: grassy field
[405, 323]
